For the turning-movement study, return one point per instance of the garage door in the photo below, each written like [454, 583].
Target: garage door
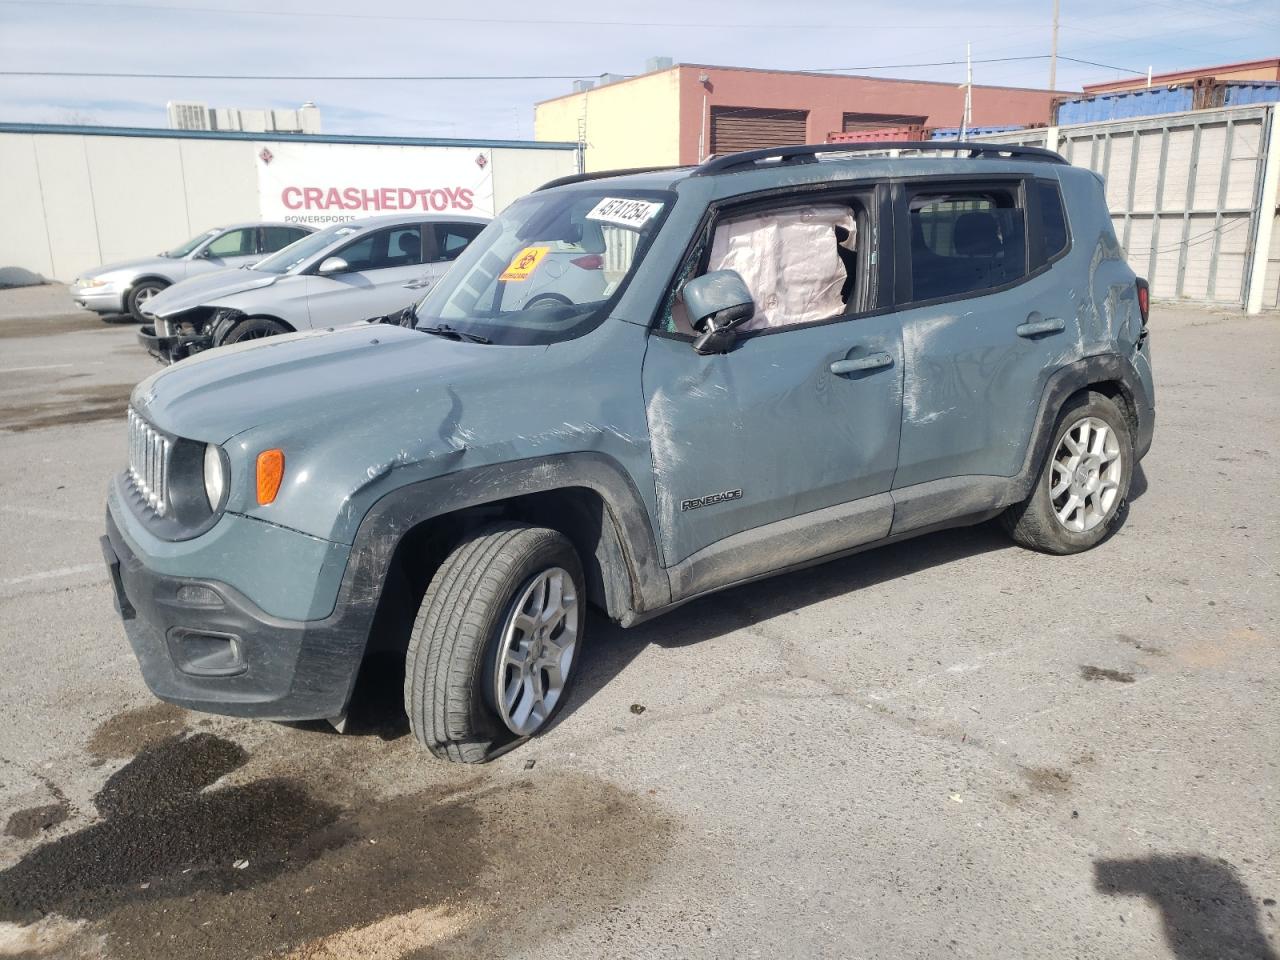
[750, 128]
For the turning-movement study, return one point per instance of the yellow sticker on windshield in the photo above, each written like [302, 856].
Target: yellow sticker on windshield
[524, 263]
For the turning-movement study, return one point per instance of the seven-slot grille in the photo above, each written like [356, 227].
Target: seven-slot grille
[149, 463]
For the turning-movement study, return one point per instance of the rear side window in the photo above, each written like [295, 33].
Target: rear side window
[277, 238]
[452, 239]
[965, 241]
[1049, 222]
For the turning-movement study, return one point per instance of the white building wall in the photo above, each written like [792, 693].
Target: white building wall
[72, 201]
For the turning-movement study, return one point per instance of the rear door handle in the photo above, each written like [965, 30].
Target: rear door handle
[1035, 328]
[872, 361]
[419, 284]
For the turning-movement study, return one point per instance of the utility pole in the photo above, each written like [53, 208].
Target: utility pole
[967, 122]
[1053, 56]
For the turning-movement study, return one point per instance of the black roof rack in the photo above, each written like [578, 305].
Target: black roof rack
[809, 153]
[600, 175]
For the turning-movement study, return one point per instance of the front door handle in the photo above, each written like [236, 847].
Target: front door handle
[1036, 328]
[872, 361]
[420, 284]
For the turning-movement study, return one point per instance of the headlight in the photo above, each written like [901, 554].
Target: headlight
[93, 282]
[215, 475]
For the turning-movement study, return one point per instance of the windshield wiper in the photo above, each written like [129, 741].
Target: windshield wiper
[444, 330]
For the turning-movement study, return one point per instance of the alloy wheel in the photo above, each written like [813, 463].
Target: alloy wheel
[536, 651]
[1084, 482]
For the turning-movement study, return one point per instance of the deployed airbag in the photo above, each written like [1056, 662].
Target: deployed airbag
[789, 260]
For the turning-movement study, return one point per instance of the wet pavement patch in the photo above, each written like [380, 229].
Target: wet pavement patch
[31, 822]
[128, 732]
[160, 834]
[1104, 673]
[1046, 779]
[77, 405]
[190, 860]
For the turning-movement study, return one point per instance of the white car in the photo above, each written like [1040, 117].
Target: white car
[125, 287]
[343, 274]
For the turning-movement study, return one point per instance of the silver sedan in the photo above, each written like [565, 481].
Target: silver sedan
[124, 287]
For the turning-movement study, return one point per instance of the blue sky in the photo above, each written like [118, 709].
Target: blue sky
[324, 37]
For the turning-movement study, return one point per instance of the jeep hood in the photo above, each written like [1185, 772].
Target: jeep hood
[203, 290]
[293, 383]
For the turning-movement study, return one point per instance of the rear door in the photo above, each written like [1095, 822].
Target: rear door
[380, 265]
[442, 243]
[985, 321]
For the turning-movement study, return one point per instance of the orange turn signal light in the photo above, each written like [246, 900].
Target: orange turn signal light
[270, 473]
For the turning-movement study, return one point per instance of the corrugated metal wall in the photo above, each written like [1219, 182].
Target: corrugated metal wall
[749, 128]
[1184, 192]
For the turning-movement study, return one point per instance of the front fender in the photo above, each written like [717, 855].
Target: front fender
[404, 508]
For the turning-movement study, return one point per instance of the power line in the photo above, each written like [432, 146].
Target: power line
[428, 18]
[253, 76]
[492, 77]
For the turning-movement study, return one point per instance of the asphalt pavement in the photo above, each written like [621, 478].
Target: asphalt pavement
[946, 748]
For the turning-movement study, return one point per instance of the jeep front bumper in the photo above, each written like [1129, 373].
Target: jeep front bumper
[204, 645]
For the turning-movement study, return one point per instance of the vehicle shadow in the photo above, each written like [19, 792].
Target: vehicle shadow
[612, 648]
[1207, 911]
[377, 706]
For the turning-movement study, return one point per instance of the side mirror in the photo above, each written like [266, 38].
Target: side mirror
[718, 303]
[333, 265]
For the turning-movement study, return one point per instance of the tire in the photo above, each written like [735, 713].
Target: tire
[548, 300]
[469, 618]
[254, 328]
[142, 291]
[1058, 518]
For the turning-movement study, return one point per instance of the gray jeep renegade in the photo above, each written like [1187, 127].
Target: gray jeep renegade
[787, 355]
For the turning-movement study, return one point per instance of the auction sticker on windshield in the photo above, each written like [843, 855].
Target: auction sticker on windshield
[624, 213]
[524, 263]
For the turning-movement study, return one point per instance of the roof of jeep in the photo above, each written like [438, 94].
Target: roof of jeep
[832, 165]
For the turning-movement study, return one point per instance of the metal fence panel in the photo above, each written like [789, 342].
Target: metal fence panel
[1182, 189]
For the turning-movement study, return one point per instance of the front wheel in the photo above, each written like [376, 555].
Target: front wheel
[497, 641]
[142, 291]
[1079, 497]
[254, 328]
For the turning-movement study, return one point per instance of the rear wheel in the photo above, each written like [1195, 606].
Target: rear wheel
[142, 291]
[1079, 497]
[254, 328]
[497, 641]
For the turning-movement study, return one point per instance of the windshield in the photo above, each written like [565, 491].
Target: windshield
[549, 267]
[298, 252]
[178, 252]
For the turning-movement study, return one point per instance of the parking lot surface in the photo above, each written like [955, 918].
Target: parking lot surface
[946, 748]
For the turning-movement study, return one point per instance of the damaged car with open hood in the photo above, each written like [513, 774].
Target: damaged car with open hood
[780, 357]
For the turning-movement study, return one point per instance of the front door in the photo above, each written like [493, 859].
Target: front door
[759, 453]
[234, 248]
[381, 267]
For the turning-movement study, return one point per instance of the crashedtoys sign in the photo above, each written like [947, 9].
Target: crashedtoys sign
[323, 183]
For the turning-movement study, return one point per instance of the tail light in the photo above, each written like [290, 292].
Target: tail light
[592, 261]
[1144, 300]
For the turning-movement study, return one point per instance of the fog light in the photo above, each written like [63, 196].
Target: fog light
[198, 595]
